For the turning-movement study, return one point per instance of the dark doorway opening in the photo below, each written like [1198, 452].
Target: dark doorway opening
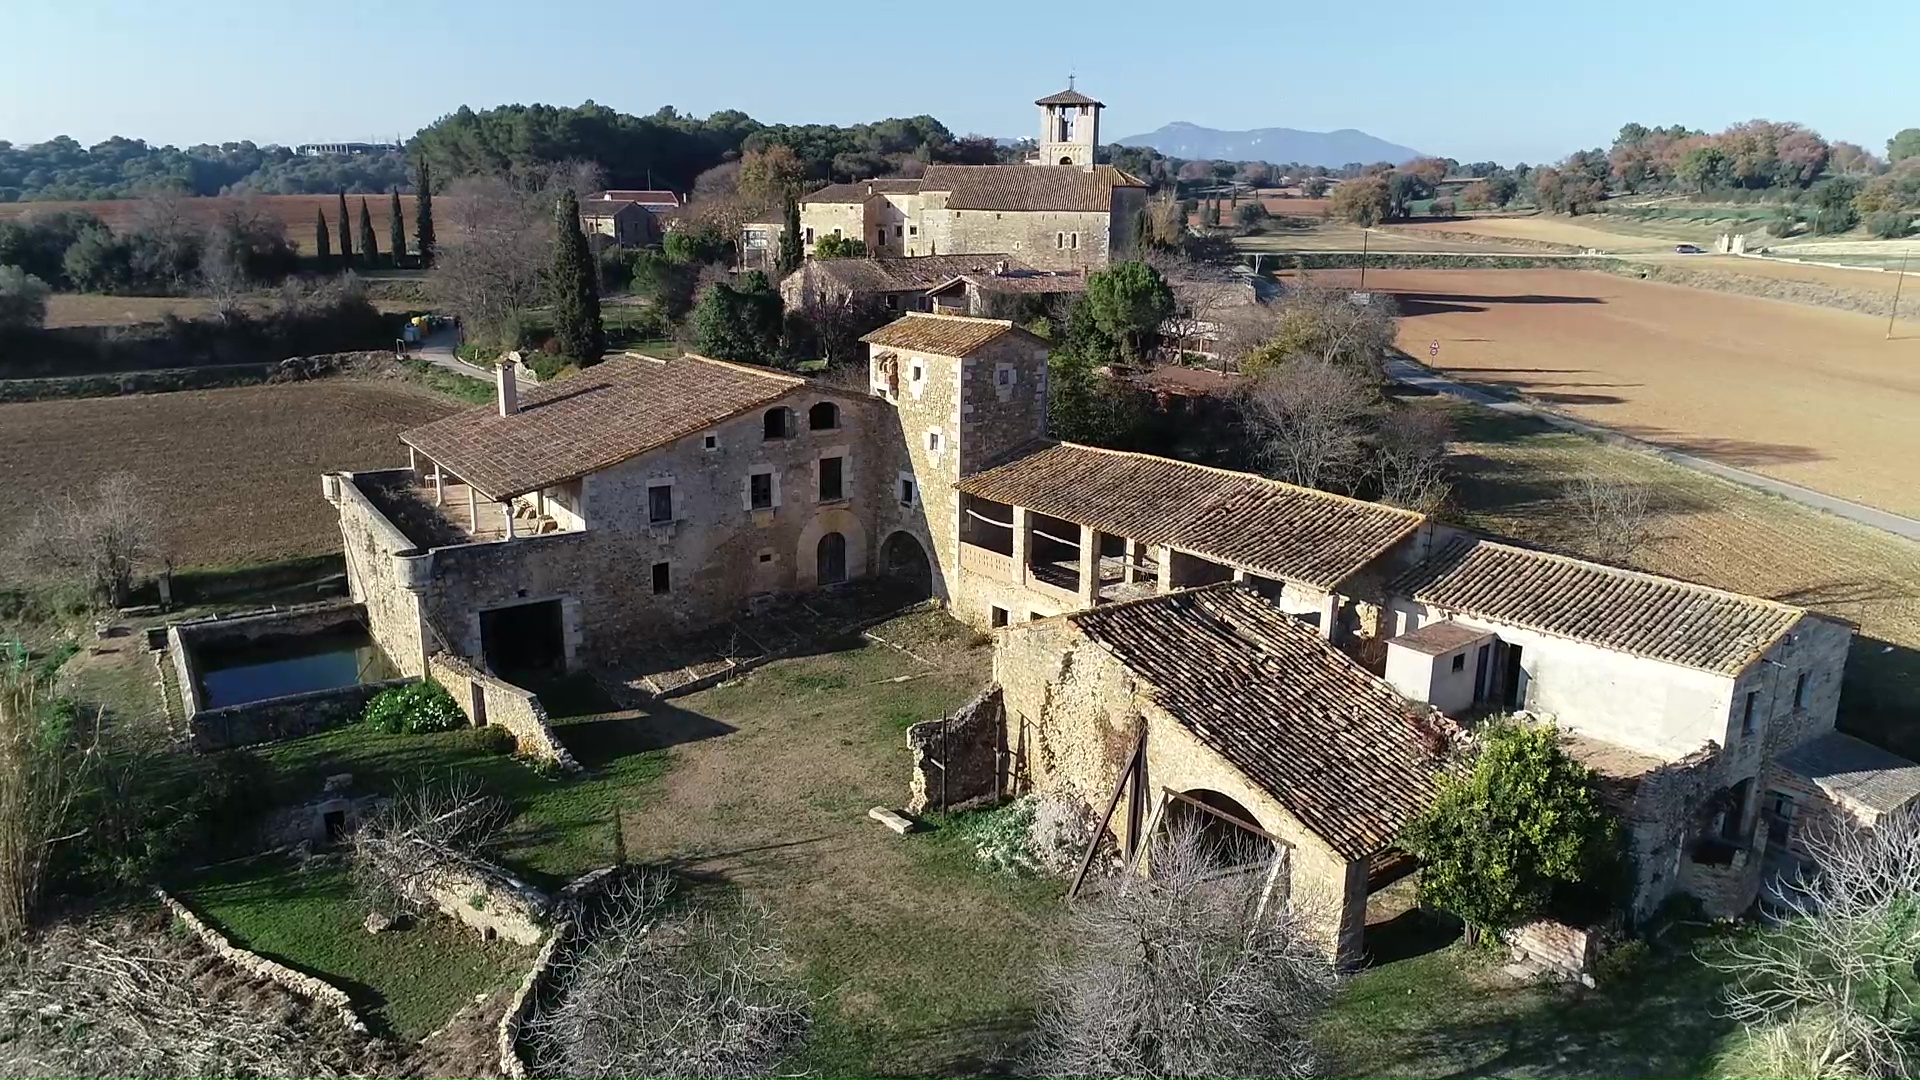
[1511, 692]
[335, 822]
[1227, 830]
[832, 555]
[903, 559]
[525, 640]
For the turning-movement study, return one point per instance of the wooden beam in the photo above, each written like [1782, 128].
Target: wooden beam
[1113, 801]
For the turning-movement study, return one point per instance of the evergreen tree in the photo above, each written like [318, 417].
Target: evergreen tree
[321, 247]
[575, 301]
[369, 251]
[346, 235]
[790, 250]
[397, 229]
[423, 215]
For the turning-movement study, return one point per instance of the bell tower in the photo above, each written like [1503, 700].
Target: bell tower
[1069, 128]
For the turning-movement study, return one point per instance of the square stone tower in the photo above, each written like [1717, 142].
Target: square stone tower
[1069, 128]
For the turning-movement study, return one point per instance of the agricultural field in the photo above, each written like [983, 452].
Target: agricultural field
[1814, 397]
[296, 212]
[92, 309]
[1584, 232]
[235, 473]
[1340, 236]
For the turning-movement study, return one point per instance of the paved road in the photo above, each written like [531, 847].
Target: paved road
[437, 349]
[1410, 373]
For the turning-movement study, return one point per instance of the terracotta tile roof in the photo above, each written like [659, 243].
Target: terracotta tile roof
[643, 197]
[1439, 638]
[604, 208]
[1027, 187]
[1273, 529]
[1067, 97]
[1018, 279]
[598, 418]
[1624, 610]
[1851, 771]
[943, 335]
[902, 273]
[1190, 381]
[1333, 744]
[859, 190]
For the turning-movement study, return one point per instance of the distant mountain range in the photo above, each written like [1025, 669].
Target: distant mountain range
[1279, 145]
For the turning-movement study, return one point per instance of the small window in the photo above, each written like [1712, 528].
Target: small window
[913, 230]
[919, 371]
[1780, 805]
[659, 503]
[1034, 616]
[760, 491]
[766, 556]
[1800, 691]
[1004, 376]
[906, 492]
[830, 473]
[1074, 241]
[893, 302]
[662, 578]
[809, 232]
[933, 442]
[824, 416]
[897, 231]
[774, 424]
[1060, 240]
[711, 442]
[836, 232]
[998, 616]
[1749, 712]
[1460, 662]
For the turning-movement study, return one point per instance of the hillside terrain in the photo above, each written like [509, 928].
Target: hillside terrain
[1329, 148]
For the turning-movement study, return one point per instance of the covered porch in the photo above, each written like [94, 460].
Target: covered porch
[442, 509]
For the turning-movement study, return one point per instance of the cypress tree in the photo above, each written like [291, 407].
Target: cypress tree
[790, 239]
[397, 229]
[320, 245]
[369, 251]
[346, 235]
[423, 215]
[576, 303]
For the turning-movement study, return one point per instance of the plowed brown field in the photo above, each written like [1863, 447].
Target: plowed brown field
[296, 212]
[1815, 397]
[235, 474]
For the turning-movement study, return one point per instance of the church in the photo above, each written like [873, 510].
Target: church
[1059, 211]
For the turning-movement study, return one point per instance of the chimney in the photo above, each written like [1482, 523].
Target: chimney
[508, 392]
[1000, 268]
[869, 189]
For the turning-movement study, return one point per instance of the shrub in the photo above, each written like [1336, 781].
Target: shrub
[23, 301]
[412, 709]
[497, 741]
[1889, 224]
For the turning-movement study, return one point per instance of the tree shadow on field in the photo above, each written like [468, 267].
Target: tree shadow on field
[1739, 453]
[1414, 304]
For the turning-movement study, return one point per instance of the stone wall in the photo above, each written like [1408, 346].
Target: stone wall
[566, 924]
[188, 639]
[381, 567]
[277, 719]
[957, 760]
[487, 699]
[259, 967]
[1565, 951]
[1727, 889]
[484, 897]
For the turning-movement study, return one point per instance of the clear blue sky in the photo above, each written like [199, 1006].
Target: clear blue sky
[1500, 80]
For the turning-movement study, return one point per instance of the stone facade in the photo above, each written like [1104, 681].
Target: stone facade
[281, 718]
[957, 759]
[486, 699]
[486, 898]
[1566, 951]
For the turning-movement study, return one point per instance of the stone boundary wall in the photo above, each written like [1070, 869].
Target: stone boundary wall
[253, 964]
[281, 718]
[956, 759]
[1565, 951]
[488, 698]
[201, 377]
[507, 1038]
[484, 897]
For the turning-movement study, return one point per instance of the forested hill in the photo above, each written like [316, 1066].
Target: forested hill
[125, 168]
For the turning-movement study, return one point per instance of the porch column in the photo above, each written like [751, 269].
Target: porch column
[1329, 611]
[1022, 544]
[506, 511]
[1163, 555]
[439, 485]
[413, 463]
[1089, 565]
[1128, 573]
[1239, 575]
[473, 511]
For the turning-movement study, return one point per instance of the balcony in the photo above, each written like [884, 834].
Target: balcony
[458, 514]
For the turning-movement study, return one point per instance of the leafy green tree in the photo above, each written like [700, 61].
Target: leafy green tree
[668, 283]
[99, 262]
[1525, 829]
[701, 245]
[790, 245]
[423, 215]
[1364, 201]
[1127, 303]
[1250, 214]
[740, 322]
[369, 251]
[23, 301]
[1085, 406]
[396, 228]
[839, 247]
[322, 247]
[1904, 145]
[1889, 224]
[345, 235]
[574, 298]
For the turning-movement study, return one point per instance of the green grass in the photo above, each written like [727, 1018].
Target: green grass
[446, 382]
[404, 982]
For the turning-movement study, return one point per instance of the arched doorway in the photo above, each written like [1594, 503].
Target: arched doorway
[1228, 832]
[903, 560]
[1066, 160]
[831, 556]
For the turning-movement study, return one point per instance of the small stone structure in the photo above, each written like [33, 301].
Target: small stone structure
[259, 967]
[488, 699]
[1563, 951]
[957, 760]
[485, 897]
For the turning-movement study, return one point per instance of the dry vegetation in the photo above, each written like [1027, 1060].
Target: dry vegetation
[235, 473]
[296, 212]
[1819, 398]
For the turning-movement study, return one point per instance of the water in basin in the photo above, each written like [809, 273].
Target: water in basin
[276, 667]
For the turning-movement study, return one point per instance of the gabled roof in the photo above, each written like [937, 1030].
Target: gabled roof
[1624, 610]
[944, 335]
[905, 273]
[1067, 97]
[1273, 529]
[606, 208]
[1329, 741]
[1853, 772]
[1017, 279]
[644, 197]
[1027, 187]
[604, 415]
[859, 190]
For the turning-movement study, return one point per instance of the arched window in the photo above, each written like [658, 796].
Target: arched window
[775, 424]
[824, 416]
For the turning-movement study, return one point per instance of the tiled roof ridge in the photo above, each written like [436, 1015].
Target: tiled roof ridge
[1238, 474]
[1467, 543]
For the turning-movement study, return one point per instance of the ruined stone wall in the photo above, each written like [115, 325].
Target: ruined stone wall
[1661, 815]
[254, 965]
[376, 571]
[1566, 951]
[281, 718]
[486, 898]
[491, 700]
[956, 759]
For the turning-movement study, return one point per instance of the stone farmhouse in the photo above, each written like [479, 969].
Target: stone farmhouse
[1283, 661]
[952, 284]
[1060, 211]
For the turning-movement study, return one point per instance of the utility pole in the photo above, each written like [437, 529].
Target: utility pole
[1894, 311]
[1364, 235]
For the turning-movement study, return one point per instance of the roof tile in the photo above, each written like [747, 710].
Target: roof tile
[943, 335]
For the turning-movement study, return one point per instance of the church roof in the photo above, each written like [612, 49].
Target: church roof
[1027, 187]
[859, 190]
[1068, 97]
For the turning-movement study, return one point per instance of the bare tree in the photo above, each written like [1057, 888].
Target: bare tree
[1209, 300]
[397, 850]
[1318, 320]
[1614, 518]
[1191, 971]
[1310, 420]
[100, 542]
[837, 320]
[115, 1000]
[1831, 985]
[42, 769]
[660, 988]
[495, 245]
[1410, 458]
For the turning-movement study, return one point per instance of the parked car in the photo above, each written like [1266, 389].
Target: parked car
[1687, 249]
